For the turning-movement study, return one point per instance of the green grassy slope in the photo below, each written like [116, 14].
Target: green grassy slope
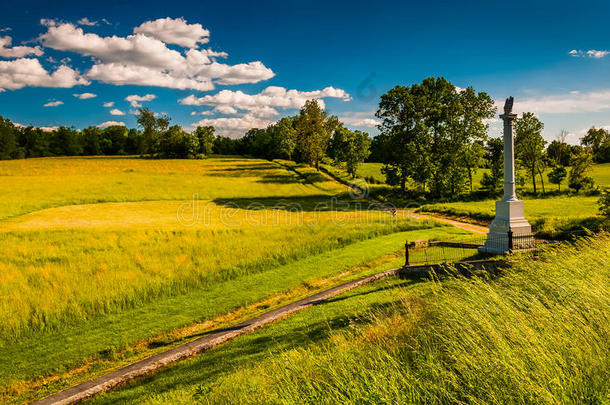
[537, 334]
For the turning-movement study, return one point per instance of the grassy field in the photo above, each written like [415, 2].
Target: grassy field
[549, 216]
[106, 260]
[600, 174]
[538, 334]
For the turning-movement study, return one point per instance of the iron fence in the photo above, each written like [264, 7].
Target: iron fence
[467, 248]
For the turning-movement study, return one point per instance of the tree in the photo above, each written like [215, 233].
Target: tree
[205, 136]
[314, 128]
[34, 141]
[153, 128]
[581, 165]
[176, 143]
[287, 134]
[529, 144]
[494, 154]
[558, 151]
[66, 142]
[92, 141]
[557, 175]
[8, 140]
[604, 203]
[350, 147]
[113, 140]
[429, 131]
[598, 141]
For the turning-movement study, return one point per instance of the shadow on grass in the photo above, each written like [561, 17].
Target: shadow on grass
[341, 202]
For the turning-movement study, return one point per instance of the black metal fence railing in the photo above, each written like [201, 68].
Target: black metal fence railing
[474, 247]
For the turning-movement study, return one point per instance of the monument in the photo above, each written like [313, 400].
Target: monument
[509, 210]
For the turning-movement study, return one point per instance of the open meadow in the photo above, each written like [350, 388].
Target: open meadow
[102, 258]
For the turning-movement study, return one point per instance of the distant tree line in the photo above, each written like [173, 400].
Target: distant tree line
[310, 137]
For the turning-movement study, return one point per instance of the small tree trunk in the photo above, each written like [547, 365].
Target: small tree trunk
[403, 184]
[542, 182]
[534, 178]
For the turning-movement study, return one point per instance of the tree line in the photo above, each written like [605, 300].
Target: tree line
[311, 136]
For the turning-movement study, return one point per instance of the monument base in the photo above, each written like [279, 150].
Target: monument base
[509, 216]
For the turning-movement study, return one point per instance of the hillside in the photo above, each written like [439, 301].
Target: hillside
[537, 334]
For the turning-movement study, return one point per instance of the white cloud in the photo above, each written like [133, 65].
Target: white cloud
[111, 124]
[18, 73]
[53, 104]
[109, 104]
[272, 97]
[175, 31]
[119, 74]
[360, 122]
[143, 59]
[86, 21]
[17, 51]
[234, 126]
[85, 96]
[136, 101]
[591, 53]
[571, 102]
[116, 111]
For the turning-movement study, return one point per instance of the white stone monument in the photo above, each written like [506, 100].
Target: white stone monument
[509, 210]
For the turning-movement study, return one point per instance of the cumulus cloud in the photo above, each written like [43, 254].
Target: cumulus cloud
[234, 126]
[144, 59]
[591, 53]
[17, 51]
[84, 96]
[175, 31]
[53, 104]
[360, 122]
[109, 104]
[116, 111]
[119, 74]
[18, 73]
[86, 21]
[571, 102]
[111, 124]
[271, 97]
[136, 101]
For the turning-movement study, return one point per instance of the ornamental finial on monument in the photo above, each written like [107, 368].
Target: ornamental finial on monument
[508, 105]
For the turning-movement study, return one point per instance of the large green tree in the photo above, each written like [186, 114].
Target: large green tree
[153, 129]
[598, 141]
[314, 128]
[529, 144]
[205, 136]
[350, 148]
[433, 134]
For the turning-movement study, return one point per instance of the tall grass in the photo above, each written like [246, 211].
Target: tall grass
[50, 278]
[538, 334]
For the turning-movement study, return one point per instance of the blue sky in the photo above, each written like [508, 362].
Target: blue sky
[279, 53]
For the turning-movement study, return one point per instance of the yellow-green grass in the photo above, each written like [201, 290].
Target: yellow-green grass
[45, 362]
[549, 216]
[537, 334]
[371, 170]
[33, 184]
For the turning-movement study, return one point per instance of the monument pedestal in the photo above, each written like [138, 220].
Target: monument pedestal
[509, 216]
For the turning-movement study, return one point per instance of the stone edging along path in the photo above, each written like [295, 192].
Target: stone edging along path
[154, 363]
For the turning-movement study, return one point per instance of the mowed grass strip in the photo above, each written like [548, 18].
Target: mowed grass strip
[93, 346]
[537, 334]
